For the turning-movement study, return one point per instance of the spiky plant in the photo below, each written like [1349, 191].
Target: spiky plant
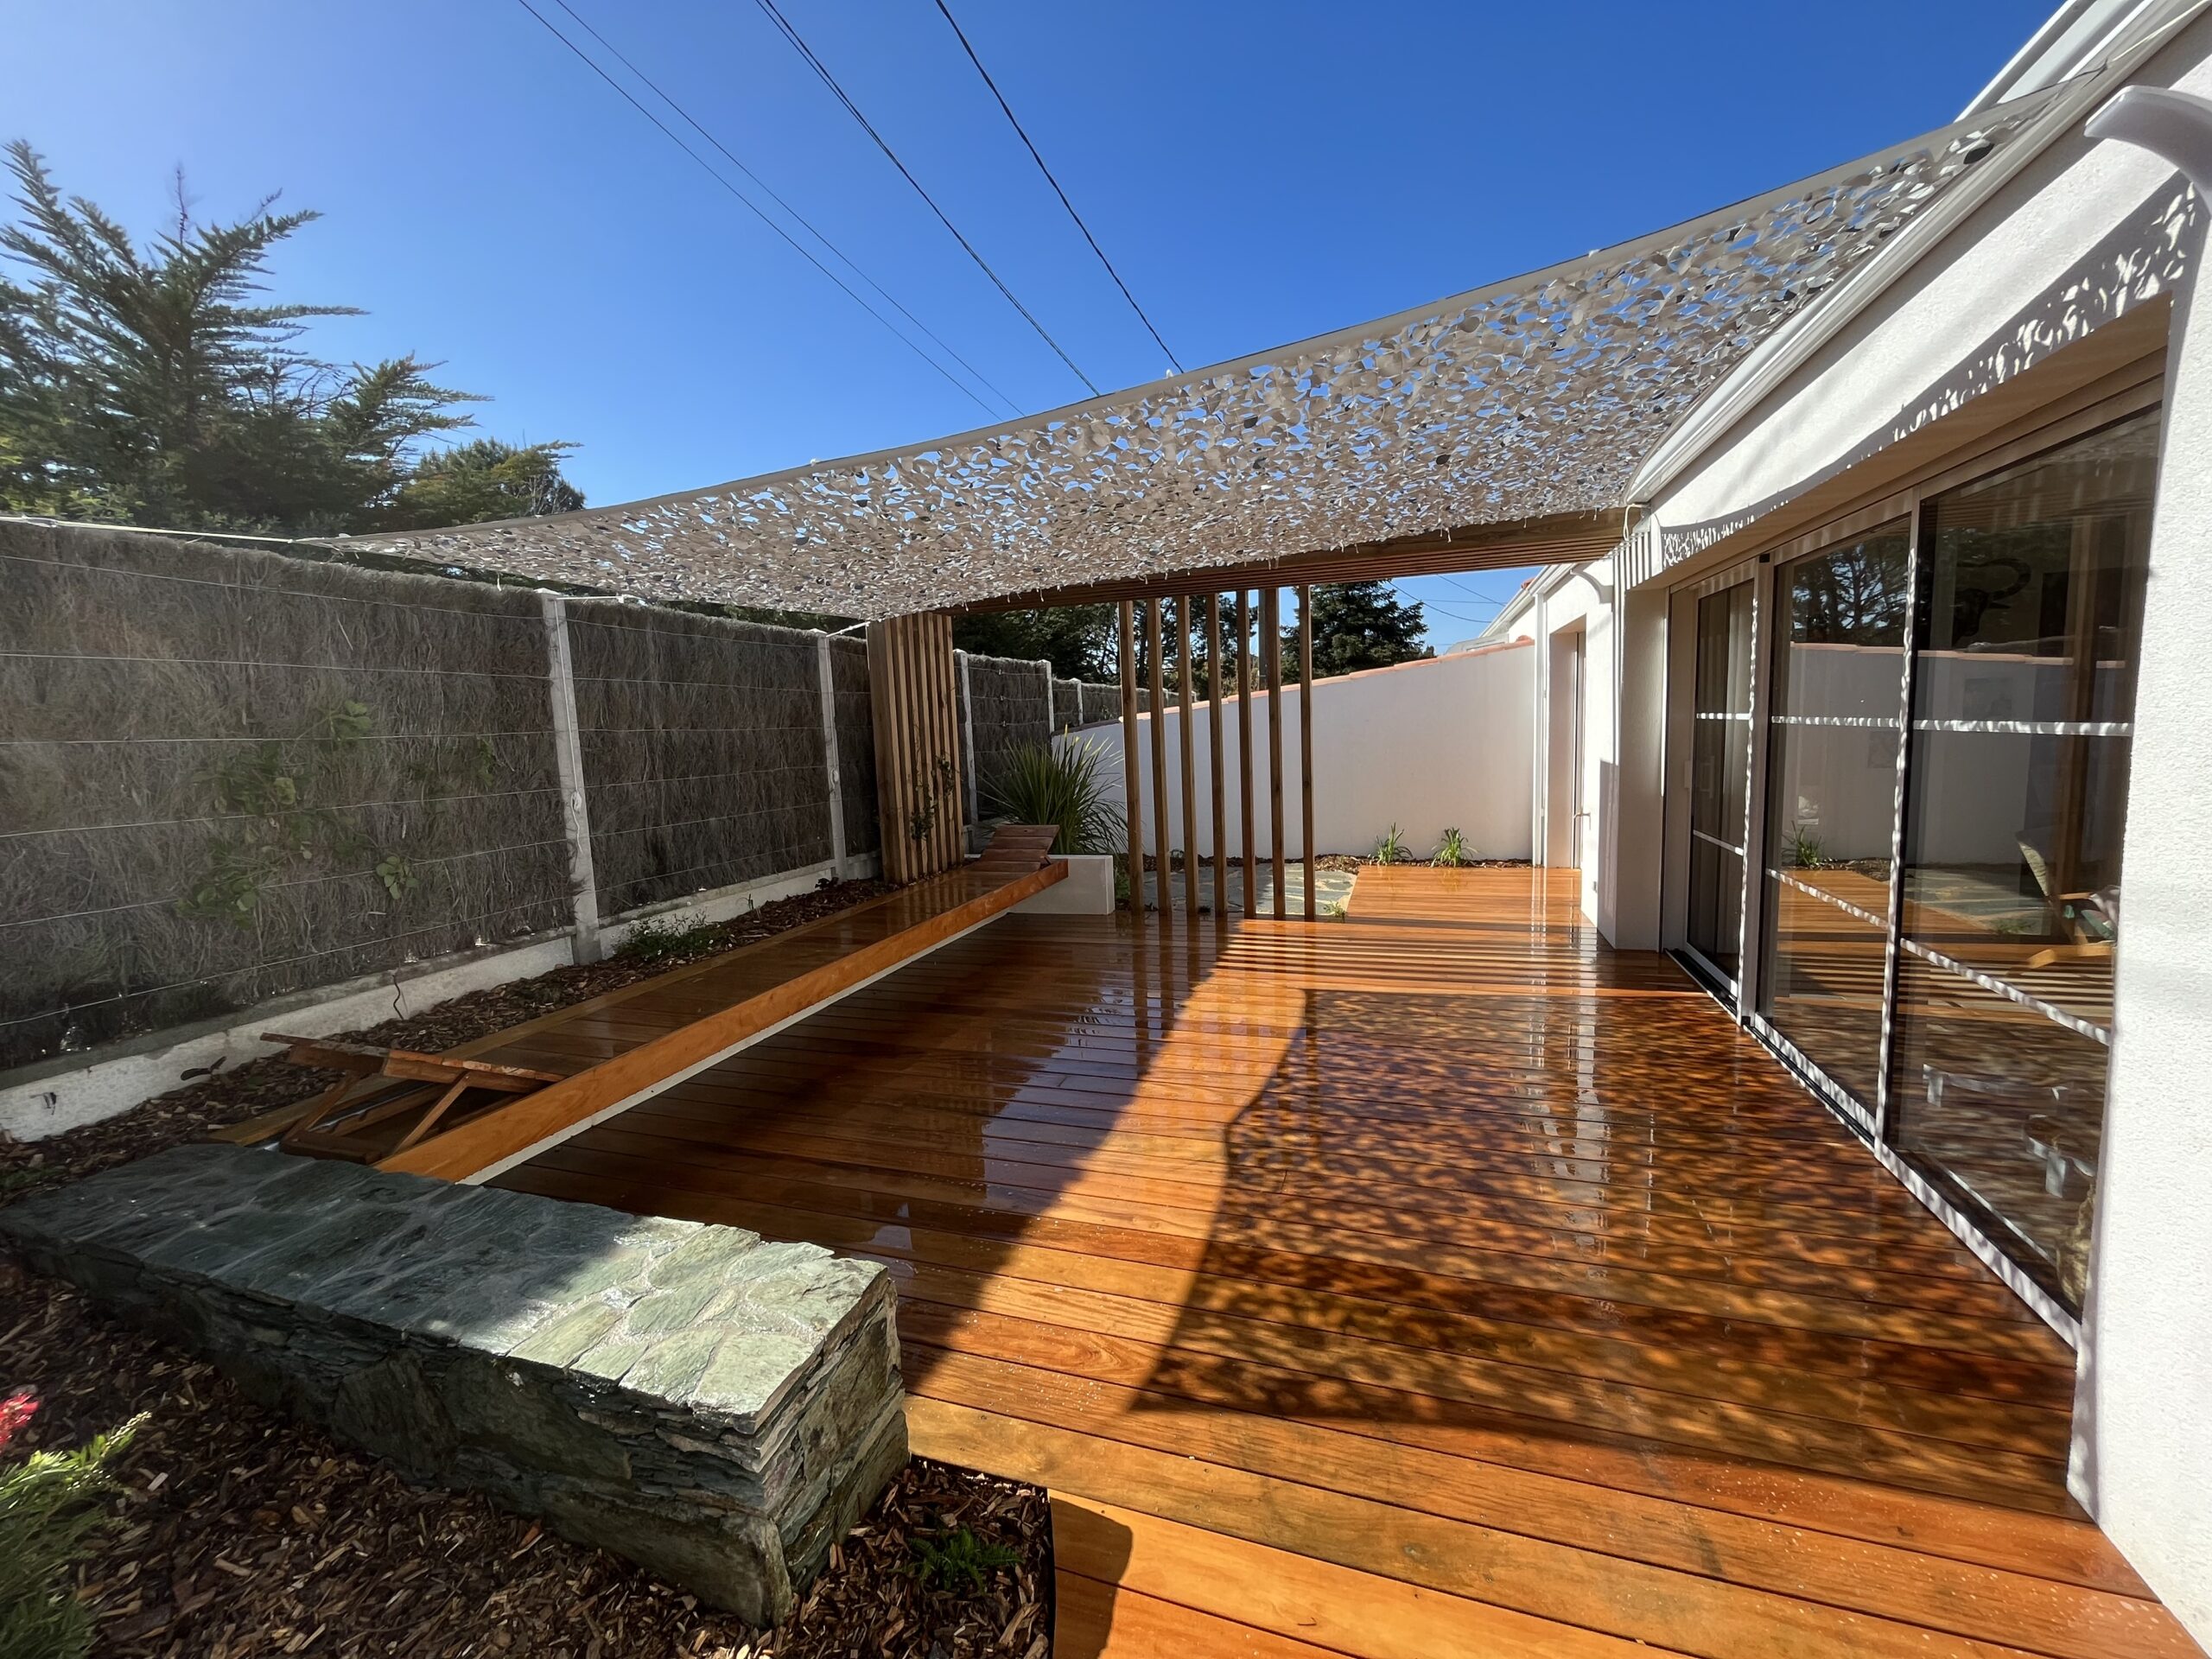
[1057, 784]
[50, 1502]
[1391, 849]
[1451, 851]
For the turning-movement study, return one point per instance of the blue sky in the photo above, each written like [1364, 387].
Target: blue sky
[1258, 172]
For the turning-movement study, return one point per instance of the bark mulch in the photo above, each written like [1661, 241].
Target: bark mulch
[241, 1532]
[194, 1111]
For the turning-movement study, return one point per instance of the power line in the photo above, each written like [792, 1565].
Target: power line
[854, 110]
[1472, 593]
[962, 36]
[753, 207]
[813, 229]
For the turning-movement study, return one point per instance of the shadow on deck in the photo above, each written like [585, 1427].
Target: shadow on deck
[1433, 1281]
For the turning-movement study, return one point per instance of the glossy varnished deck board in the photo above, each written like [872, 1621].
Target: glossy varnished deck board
[1434, 1281]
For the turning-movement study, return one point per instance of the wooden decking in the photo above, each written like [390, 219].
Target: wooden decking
[1431, 1283]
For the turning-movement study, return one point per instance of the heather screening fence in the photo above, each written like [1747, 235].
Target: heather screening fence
[228, 775]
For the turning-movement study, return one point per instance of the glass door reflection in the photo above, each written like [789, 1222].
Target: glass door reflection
[2029, 622]
[1832, 734]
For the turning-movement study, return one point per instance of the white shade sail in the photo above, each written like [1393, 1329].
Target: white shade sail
[1521, 401]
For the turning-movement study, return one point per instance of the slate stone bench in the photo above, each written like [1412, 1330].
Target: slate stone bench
[716, 1408]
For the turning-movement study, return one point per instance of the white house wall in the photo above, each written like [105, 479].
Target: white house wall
[1560, 604]
[1423, 745]
[2084, 235]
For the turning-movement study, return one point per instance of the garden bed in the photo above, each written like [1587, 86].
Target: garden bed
[195, 1111]
[240, 1532]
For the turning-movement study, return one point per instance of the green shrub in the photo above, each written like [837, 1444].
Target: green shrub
[50, 1502]
[1452, 851]
[1057, 784]
[959, 1559]
[1391, 849]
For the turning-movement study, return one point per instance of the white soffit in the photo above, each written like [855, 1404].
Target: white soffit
[1532, 397]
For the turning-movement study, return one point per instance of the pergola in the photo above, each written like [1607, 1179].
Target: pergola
[1495, 428]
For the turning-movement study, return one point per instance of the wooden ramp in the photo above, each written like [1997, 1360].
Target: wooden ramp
[1434, 1282]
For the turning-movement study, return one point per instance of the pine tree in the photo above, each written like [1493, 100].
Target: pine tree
[151, 386]
[1357, 625]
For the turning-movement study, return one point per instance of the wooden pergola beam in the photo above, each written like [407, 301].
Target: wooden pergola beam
[1561, 538]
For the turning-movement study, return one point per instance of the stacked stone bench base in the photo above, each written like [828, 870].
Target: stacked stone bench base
[719, 1408]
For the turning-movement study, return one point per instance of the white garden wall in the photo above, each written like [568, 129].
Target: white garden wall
[1443, 741]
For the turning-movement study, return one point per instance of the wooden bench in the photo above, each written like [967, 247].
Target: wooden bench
[562, 1073]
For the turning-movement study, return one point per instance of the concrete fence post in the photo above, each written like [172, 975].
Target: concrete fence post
[1051, 722]
[968, 737]
[829, 751]
[567, 755]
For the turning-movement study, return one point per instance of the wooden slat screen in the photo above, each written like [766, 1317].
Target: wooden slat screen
[911, 691]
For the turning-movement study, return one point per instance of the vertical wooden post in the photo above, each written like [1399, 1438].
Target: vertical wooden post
[1158, 718]
[1306, 743]
[1132, 791]
[890, 751]
[1271, 665]
[1214, 667]
[963, 704]
[1244, 749]
[953, 847]
[1188, 757]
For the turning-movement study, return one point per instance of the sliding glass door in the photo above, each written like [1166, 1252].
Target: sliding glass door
[2024, 693]
[1720, 760]
[1960, 1002]
[1832, 735]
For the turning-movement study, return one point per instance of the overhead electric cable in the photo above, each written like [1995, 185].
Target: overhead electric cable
[960, 34]
[711, 173]
[799, 45]
[1485, 598]
[813, 229]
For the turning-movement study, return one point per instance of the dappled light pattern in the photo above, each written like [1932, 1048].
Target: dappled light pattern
[1535, 397]
[1432, 1281]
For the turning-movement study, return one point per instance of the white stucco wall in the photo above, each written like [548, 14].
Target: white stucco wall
[2143, 1411]
[1422, 745]
[1562, 605]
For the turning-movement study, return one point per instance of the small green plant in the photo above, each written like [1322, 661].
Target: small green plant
[1451, 850]
[50, 1502]
[959, 1560]
[1048, 783]
[1805, 846]
[1391, 848]
[271, 821]
[937, 784]
[656, 939]
[397, 875]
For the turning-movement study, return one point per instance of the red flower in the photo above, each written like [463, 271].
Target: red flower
[15, 1410]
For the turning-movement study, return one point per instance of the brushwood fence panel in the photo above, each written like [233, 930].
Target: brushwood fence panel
[228, 776]
[703, 752]
[856, 724]
[1006, 707]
